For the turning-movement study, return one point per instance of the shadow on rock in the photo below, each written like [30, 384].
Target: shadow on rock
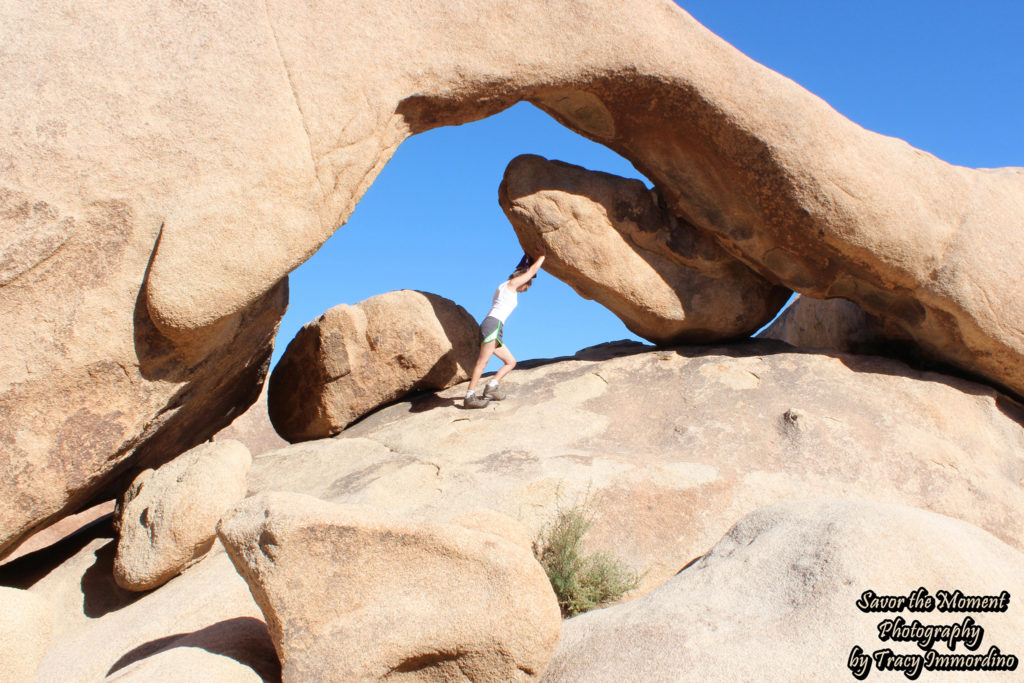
[100, 593]
[244, 639]
[26, 570]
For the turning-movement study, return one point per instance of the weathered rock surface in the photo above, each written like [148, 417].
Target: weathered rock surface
[775, 599]
[674, 446]
[354, 359]
[102, 629]
[103, 148]
[168, 517]
[492, 522]
[835, 324]
[242, 170]
[26, 624]
[77, 427]
[352, 593]
[613, 240]
[253, 428]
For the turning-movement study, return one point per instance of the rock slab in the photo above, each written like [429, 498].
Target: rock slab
[352, 593]
[614, 240]
[672, 446]
[354, 359]
[168, 517]
[776, 600]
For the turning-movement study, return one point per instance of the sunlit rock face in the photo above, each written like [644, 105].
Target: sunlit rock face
[165, 165]
[668, 448]
[396, 598]
[782, 596]
[353, 359]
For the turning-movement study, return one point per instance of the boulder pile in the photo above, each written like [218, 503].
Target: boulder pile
[672, 446]
[407, 514]
[170, 253]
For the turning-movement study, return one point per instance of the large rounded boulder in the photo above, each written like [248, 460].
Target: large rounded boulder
[167, 518]
[353, 593]
[790, 594]
[354, 359]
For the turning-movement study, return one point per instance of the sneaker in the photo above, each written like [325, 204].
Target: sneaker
[494, 392]
[475, 401]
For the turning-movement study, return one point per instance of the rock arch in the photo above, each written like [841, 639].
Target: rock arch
[241, 136]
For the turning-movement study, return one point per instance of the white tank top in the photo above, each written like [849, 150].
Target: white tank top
[505, 299]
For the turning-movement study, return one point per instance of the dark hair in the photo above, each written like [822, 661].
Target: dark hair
[524, 265]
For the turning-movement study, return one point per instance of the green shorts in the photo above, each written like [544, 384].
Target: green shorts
[491, 328]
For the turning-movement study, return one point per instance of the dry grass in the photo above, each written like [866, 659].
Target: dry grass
[581, 581]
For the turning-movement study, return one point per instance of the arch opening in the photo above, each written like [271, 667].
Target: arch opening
[431, 221]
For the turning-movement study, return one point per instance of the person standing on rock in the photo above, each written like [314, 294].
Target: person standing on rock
[505, 299]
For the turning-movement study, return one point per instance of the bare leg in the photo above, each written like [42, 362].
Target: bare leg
[506, 357]
[486, 351]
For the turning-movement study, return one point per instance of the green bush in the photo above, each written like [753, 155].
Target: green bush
[581, 582]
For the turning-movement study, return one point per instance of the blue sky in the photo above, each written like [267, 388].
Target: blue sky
[943, 75]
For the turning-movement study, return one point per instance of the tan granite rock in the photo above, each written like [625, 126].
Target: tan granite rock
[793, 188]
[67, 526]
[105, 150]
[352, 593]
[354, 359]
[26, 624]
[670, 447]
[776, 600]
[613, 240]
[491, 522]
[149, 219]
[168, 517]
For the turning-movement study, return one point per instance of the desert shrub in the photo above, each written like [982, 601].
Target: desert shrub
[581, 581]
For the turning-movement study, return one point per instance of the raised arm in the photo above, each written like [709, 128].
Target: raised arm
[531, 272]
